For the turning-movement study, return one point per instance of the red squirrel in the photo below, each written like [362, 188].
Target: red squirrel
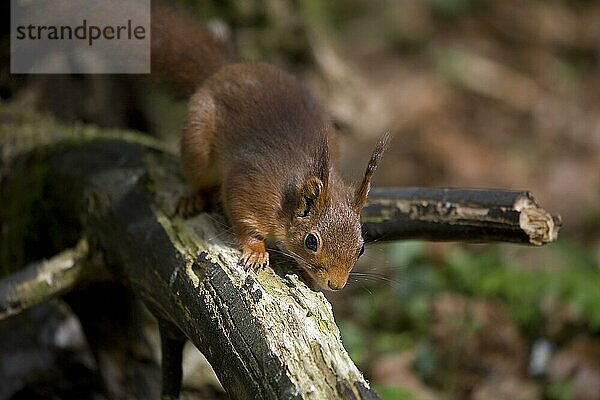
[259, 140]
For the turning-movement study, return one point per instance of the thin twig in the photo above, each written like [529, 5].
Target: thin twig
[43, 280]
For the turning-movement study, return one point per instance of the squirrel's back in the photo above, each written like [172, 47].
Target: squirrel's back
[264, 108]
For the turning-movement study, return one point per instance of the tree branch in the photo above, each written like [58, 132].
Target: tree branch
[43, 280]
[474, 215]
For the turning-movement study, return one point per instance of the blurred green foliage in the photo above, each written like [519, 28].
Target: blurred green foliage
[394, 315]
[489, 273]
[453, 8]
[559, 390]
[393, 393]
[524, 290]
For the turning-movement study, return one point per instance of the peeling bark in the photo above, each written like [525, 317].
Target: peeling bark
[473, 215]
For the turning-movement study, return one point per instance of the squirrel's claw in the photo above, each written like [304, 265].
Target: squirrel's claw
[254, 254]
[254, 260]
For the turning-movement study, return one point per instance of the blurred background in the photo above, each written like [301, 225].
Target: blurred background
[476, 93]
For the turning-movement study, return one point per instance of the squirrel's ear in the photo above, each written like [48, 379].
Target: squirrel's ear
[311, 191]
[360, 198]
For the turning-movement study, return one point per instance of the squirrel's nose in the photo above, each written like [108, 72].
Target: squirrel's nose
[335, 285]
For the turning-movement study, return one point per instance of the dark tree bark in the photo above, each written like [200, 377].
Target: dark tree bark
[473, 215]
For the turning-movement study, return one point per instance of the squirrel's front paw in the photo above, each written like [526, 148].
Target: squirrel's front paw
[188, 206]
[254, 260]
[254, 254]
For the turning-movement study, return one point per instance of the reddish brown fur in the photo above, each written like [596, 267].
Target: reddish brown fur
[255, 130]
[185, 53]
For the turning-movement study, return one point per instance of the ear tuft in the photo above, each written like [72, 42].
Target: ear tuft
[313, 193]
[360, 198]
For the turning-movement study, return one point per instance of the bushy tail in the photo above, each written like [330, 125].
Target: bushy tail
[184, 52]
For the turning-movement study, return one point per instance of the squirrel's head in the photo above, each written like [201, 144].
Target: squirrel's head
[325, 236]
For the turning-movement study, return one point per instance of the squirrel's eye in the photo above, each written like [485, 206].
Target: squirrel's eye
[311, 242]
[362, 250]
